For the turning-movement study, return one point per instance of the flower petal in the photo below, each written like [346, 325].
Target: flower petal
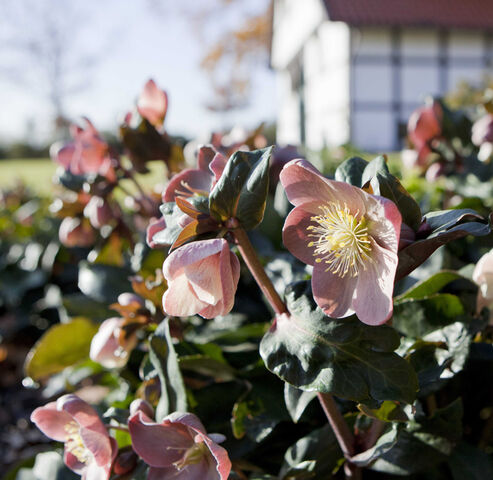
[159, 445]
[384, 221]
[189, 254]
[92, 431]
[186, 182]
[373, 295]
[180, 300]
[305, 184]
[51, 421]
[333, 294]
[295, 234]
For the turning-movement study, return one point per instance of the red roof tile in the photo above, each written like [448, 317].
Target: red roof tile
[418, 13]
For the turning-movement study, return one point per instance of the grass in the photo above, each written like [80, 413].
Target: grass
[37, 174]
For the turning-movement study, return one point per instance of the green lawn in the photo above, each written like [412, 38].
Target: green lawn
[38, 173]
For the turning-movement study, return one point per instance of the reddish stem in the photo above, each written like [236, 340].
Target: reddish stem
[341, 430]
[256, 268]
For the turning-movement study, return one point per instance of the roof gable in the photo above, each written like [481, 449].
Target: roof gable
[418, 13]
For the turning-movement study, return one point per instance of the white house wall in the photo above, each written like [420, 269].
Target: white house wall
[288, 111]
[394, 69]
[293, 23]
[326, 86]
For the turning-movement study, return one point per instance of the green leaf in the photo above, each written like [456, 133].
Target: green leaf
[471, 463]
[429, 286]
[340, 356]
[256, 413]
[241, 192]
[423, 443]
[164, 359]
[444, 227]
[388, 412]
[383, 445]
[61, 346]
[416, 318]
[207, 366]
[351, 171]
[320, 448]
[385, 184]
[103, 283]
[171, 214]
[296, 401]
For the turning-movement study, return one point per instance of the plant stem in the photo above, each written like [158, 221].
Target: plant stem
[341, 430]
[338, 424]
[334, 416]
[257, 270]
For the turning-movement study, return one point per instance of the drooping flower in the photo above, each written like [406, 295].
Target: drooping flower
[178, 448]
[483, 277]
[202, 278]
[87, 154]
[482, 136]
[424, 125]
[197, 181]
[98, 211]
[153, 103]
[89, 450]
[110, 347]
[349, 236]
[186, 184]
[76, 232]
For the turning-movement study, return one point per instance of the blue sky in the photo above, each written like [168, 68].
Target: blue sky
[135, 41]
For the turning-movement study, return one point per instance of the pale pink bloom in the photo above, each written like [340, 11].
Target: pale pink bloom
[107, 346]
[482, 130]
[76, 232]
[98, 211]
[351, 239]
[482, 136]
[139, 405]
[424, 125]
[179, 448]
[87, 154]
[202, 278]
[155, 225]
[188, 183]
[153, 103]
[197, 181]
[483, 275]
[89, 450]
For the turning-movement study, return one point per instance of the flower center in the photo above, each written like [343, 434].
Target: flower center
[341, 239]
[74, 443]
[192, 455]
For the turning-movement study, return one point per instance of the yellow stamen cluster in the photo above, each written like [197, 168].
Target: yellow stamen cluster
[341, 239]
[193, 455]
[74, 443]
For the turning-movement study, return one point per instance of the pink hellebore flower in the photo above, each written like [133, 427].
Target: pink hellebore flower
[188, 183]
[423, 126]
[75, 232]
[89, 450]
[350, 237]
[197, 180]
[202, 278]
[482, 136]
[483, 276]
[98, 211]
[106, 346]
[178, 448]
[153, 104]
[87, 154]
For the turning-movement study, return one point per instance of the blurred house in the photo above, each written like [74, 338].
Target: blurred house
[353, 70]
